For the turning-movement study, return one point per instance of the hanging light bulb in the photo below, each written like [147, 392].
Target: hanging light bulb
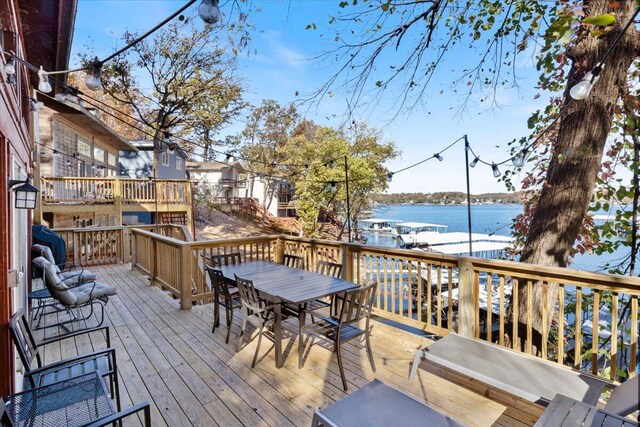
[438, 156]
[44, 85]
[474, 162]
[389, 176]
[583, 88]
[209, 11]
[496, 171]
[93, 75]
[68, 162]
[10, 66]
[518, 160]
[333, 187]
[35, 105]
[61, 96]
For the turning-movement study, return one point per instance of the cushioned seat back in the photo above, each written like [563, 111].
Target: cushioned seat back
[54, 282]
[48, 255]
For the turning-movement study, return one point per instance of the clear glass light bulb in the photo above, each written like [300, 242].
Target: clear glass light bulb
[390, 177]
[438, 156]
[209, 11]
[10, 66]
[93, 75]
[333, 187]
[518, 160]
[44, 85]
[474, 162]
[583, 88]
[61, 96]
[496, 171]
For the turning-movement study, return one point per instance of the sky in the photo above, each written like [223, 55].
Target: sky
[281, 63]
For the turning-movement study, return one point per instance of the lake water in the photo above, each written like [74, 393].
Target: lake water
[485, 219]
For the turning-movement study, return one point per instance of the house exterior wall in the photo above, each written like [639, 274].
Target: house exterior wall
[14, 157]
[74, 160]
[140, 164]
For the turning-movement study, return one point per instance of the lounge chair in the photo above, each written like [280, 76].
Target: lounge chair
[67, 271]
[73, 295]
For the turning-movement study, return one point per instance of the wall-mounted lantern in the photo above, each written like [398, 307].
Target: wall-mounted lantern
[26, 195]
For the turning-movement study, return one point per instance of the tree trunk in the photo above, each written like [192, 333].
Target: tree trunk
[577, 154]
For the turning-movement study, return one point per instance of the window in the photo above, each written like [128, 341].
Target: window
[179, 162]
[84, 148]
[164, 158]
[98, 154]
[112, 159]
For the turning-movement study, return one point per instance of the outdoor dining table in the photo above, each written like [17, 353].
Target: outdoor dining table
[280, 284]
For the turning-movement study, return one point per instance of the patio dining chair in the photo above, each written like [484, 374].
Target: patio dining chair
[226, 259]
[326, 268]
[255, 310]
[293, 261]
[72, 295]
[102, 361]
[224, 296]
[356, 307]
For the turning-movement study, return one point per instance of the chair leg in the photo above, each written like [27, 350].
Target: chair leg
[370, 353]
[255, 356]
[244, 326]
[229, 323]
[344, 380]
[216, 315]
[301, 322]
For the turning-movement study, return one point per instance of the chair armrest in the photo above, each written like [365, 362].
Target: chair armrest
[78, 333]
[144, 406]
[79, 358]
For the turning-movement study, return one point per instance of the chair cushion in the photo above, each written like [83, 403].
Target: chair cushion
[54, 283]
[73, 277]
[93, 290]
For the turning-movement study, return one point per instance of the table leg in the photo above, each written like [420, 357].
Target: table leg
[277, 332]
[301, 321]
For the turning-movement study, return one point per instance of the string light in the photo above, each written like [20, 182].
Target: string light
[209, 11]
[94, 73]
[474, 162]
[389, 176]
[518, 159]
[496, 171]
[333, 186]
[35, 105]
[582, 90]
[44, 85]
[10, 67]
[438, 156]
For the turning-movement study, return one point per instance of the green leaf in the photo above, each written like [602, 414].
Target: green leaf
[566, 36]
[385, 6]
[600, 20]
[343, 4]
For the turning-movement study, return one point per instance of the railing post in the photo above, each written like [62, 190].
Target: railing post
[466, 299]
[153, 261]
[117, 195]
[346, 257]
[76, 249]
[278, 256]
[186, 301]
[134, 247]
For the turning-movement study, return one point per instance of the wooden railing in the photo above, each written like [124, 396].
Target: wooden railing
[440, 293]
[73, 190]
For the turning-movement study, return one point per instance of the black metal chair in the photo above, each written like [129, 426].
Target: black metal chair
[224, 296]
[102, 361]
[226, 259]
[328, 269]
[82, 399]
[356, 307]
[255, 310]
[293, 261]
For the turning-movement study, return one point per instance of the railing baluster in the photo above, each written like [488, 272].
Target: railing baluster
[633, 337]
[614, 335]
[502, 311]
[595, 335]
[545, 333]
[577, 353]
[529, 343]
[514, 310]
[561, 321]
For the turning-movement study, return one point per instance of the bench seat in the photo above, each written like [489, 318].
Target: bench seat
[527, 377]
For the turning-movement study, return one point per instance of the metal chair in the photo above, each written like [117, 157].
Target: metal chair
[224, 296]
[103, 361]
[226, 259]
[328, 269]
[293, 261]
[356, 307]
[73, 295]
[82, 399]
[255, 311]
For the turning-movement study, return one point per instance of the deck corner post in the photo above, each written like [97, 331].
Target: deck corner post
[153, 261]
[279, 252]
[186, 300]
[347, 261]
[134, 248]
[466, 303]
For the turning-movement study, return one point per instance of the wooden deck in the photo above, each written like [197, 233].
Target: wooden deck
[170, 357]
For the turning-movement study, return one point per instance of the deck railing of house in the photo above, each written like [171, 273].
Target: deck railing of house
[435, 292]
[74, 190]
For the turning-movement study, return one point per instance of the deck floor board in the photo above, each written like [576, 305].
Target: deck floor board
[191, 377]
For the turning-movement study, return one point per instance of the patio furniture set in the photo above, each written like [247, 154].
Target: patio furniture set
[267, 293]
[77, 391]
